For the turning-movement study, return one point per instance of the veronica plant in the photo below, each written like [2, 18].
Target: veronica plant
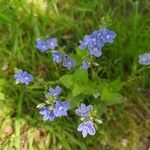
[53, 107]
[77, 81]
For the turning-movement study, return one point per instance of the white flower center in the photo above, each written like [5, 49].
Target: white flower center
[44, 47]
[60, 108]
[26, 78]
[95, 49]
[94, 39]
[57, 57]
[107, 36]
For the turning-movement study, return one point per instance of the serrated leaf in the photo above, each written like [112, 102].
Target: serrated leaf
[90, 88]
[76, 90]
[80, 76]
[79, 83]
[67, 81]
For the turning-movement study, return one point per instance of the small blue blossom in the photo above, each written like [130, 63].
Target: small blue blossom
[55, 92]
[85, 65]
[61, 108]
[52, 43]
[95, 52]
[47, 113]
[23, 77]
[84, 110]
[84, 43]
[144, 59]
[68, 62]
[42, 45]
[107, 36]
[18, 75]
[96, 40]
[57, 57]
[86, 128]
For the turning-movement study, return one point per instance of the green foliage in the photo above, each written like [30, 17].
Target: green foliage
[110, 92]
[79, 83]
[21, 22]
[2, 84]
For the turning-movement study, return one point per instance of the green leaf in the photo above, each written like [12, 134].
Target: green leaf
[79, 83]
[76, 90]
[67, 81]
[116, 85]
[109, 92]
[90, 88]
[80, 77]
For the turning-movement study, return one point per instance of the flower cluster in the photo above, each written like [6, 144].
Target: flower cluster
[44, 45]
[87, 126]
[53, 107]
[95, 41]
[23, 77]
[144, 59]
[58, 57]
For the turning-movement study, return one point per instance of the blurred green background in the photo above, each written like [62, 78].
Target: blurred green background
[22, 22]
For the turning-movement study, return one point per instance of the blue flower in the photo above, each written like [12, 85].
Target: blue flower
[84, 110]
[55, 92]
[23, 77]
[84, 43]
[107, 36]
[42, 45]
[85, 65]
[68, 62]
[47, 113]
[57, 57]
[61, 108]
[144, 59]
[95, 52]
[52, 43]
[86, 128]
[18, 75]
[96, 40]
